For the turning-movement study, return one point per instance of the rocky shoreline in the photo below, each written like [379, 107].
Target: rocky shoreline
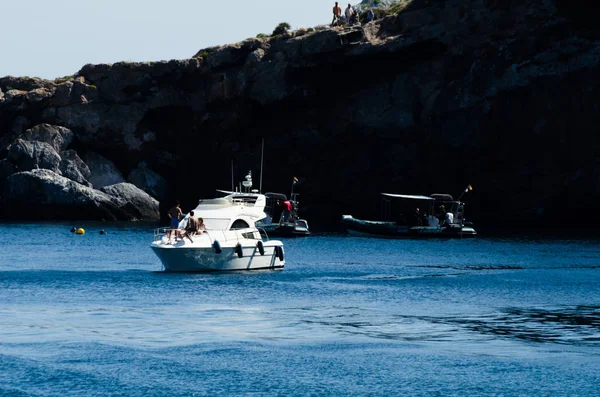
[500, 95]
[42, 179]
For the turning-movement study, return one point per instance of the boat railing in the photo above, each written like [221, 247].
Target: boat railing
[160, 232]
[220, 235]
[263, 232]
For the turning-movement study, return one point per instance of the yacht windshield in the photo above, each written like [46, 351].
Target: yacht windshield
[239, 224]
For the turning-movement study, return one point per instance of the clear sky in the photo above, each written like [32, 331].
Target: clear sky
[55, 38]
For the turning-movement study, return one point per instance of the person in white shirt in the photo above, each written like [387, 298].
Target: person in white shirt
[350, 14]
[448, 217]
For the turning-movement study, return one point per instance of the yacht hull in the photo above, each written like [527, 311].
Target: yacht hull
[362, 228]
[286, 230]
[206, 259]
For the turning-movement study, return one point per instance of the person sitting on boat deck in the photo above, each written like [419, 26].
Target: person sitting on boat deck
[175, 216]
[201, 226]
[192, 226]
[286, 209]
[448, 216]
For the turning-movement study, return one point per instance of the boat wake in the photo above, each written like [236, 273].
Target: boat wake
[471, 267]
[577, 326]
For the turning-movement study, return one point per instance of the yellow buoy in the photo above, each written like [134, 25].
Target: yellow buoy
[80, 231]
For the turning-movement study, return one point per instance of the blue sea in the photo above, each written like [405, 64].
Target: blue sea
[504, 314]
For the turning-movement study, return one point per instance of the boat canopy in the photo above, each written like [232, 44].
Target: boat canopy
[277, 196]
[442, 197]
[433, 197]
[408, 196]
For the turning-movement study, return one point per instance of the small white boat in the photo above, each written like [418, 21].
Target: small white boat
[231, 241]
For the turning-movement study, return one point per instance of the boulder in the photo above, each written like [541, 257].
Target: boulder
[39, 94]
[27, 156]
[15, 96]
[58, 137]
[43, 194]
[25, 83]
[62, 95]
[133, 201]
[234, 54]
[103, 171]
[73, 167]
[148, 180]
[94, 73]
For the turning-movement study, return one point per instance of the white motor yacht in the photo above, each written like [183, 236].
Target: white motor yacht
[231, 241]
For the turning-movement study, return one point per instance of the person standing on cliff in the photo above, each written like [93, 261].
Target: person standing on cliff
[350, 14]
[337, 13]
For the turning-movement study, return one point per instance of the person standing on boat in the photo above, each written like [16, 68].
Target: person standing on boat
[418, 219]
[448, 216]
[175, 216]
[286, 209]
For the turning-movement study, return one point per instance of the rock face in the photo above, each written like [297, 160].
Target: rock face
[133, 201]
[498, 94]
[148, 180]
[40, 183]
[57, 137]
[27, 156]
[102, 171]
[43, 194]
[73, 167]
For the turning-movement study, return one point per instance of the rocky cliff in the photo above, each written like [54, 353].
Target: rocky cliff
[502, 95]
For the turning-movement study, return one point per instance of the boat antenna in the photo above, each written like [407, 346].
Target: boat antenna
[294, 181]
[232, 183]
[262, 153]
[467, 190]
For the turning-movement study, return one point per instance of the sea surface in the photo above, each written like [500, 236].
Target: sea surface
[504, 314]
